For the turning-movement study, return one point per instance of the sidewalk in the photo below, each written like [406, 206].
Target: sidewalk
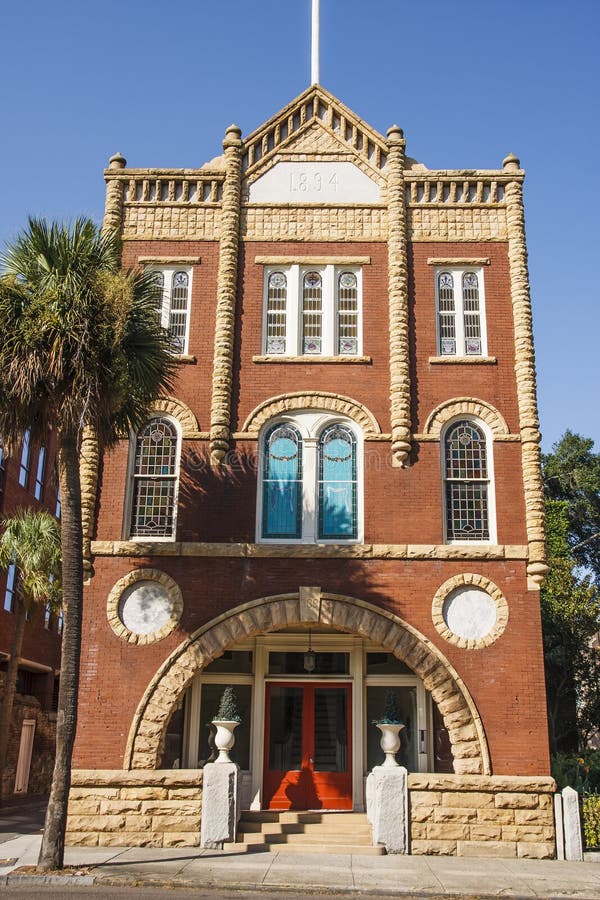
[278, 872]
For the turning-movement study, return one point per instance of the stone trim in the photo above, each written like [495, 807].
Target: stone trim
[458, 261]
[498, 438]
[463, 360]
[171, 406]
[116, 592]
[222, 374]
[294, 259]
[465, 406]
[476, 581]
[310, 551]
[309, 607]
[525, 375]
[89, 463]
[334, 403]
[115, 192]
[170, 260]
[312, 360]
[398, 300]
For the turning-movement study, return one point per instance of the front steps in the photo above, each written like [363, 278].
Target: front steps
[304, 832]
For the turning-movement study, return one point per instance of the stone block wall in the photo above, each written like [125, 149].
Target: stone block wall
[118, 808]
[478, 815]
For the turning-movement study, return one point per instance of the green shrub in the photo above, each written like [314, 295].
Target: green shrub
[580, 771]
[591, 820]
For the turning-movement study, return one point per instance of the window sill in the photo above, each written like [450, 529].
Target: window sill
[185, 358]
[462, 360]
[356, 360]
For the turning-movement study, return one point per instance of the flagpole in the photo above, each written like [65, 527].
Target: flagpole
[314, 58]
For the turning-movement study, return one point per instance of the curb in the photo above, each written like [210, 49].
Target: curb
[78, 880]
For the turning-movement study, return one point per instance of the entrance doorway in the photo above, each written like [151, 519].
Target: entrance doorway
[308, 756]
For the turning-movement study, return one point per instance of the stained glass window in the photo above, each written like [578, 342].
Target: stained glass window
[178, 310]
[471, 314]
[282, 483]
[446, 314]
[347, 313]
[276, 312]
[337, 484]
[155, 480]
[467, 512]
[312, 313]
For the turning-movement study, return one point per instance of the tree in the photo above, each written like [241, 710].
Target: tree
[80, 348]
[570, 620]
[572, 473]
[31, 541]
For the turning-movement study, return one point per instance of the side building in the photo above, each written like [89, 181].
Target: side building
[350, 466]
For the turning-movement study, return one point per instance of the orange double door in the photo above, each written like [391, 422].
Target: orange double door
[308, 741]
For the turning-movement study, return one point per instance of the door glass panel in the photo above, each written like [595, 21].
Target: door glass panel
[285, 728]
[210, 697]
[282, 663]
[407, 704]
[331, 730]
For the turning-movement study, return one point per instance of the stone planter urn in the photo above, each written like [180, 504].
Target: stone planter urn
[224, 738]
[390, 741]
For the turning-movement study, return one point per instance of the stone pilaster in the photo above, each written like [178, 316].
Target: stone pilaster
[525, 373]
[220, 411]
[115, 190]
[398, 300]
[89, 461]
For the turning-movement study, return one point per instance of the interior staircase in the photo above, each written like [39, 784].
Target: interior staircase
[305, 832]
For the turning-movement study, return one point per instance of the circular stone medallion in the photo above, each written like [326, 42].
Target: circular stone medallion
[470, 613]
[145, 607]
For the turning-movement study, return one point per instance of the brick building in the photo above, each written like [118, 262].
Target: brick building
[349, 466]
[28, 479]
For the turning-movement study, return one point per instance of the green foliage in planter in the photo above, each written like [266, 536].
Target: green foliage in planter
[391, 711]
[228, 709]
[591, 821]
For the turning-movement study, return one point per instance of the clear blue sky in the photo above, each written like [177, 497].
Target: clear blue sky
[468, 81]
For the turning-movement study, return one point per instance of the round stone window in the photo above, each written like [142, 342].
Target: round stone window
[470, 611]
[144, 606]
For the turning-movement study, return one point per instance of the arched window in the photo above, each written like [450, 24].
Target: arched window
[276, 312]
[467, 483]
[282, 483]
[156, 462]
[472, 314]
[337, 484]
[347, 314]
[172, 286]
[312, 313]
[446, 314]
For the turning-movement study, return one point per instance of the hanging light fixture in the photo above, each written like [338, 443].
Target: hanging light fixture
[310, 657]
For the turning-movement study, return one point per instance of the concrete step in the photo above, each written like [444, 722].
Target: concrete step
[356, 849]
[309, 831]
[324, 828]
[308, 816]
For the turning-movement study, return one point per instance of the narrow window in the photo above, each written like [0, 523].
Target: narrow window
[60, 622]
[446, 314]
[282, 483]
[347, 313]
[276, 312]
[312, 313]
[158, 279]
[47, 616]
[466, 470]
[337, 484]
[39, 475]
[25, 459]
[178, 311]
[1, 467]
[58, 509]
[472, 314]
[155, 480]
[9, 594]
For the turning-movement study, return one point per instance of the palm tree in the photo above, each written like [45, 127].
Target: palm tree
[81, 347]
[31, 542]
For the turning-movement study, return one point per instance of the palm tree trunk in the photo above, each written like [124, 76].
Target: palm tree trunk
[53, 842]
[10, 685]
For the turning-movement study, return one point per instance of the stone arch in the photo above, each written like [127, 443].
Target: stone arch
[335, 403]
[179, 410]
[465, 406]
[309, 607]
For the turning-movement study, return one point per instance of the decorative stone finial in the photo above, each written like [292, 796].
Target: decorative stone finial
[512, 163]
[233, 137]
[395, 133]
[117, 161]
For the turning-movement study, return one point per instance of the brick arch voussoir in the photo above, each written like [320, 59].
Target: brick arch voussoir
[346, 614]
[465, 406]
[321, 400]
[179, 410]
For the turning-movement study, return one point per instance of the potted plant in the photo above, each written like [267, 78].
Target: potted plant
[226, 721]
[390, 726]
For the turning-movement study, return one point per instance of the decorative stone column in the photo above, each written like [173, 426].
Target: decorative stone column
[89, 461]
[220, 411]
[398, 299]
[115, 191]
[525, 373]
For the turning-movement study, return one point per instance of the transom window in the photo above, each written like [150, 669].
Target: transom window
[173, 286]
[309, 481]
[155, 477]
[460, 313]
[467, 480]
[312, 311]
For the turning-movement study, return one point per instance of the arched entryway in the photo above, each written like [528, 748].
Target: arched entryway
[309, 607]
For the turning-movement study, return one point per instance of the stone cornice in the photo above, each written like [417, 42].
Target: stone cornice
[291, 259]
